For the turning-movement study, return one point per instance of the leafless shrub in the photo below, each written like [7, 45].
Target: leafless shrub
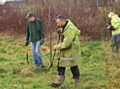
[13, 20]
[91, 20]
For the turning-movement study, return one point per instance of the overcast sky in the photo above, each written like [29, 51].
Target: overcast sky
[3, 1]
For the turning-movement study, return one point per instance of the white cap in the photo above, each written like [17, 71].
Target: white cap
[111, 14]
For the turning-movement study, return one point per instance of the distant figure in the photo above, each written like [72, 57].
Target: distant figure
[70, 51]
[115, 28]
[35, 35]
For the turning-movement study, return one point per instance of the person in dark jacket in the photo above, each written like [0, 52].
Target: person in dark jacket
[35, 35]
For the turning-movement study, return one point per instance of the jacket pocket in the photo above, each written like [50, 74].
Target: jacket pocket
[67, 53]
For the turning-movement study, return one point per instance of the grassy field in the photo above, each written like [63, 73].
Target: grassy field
[99, 67]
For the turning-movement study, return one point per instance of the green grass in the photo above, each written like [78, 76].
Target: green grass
[2, 50]
[99, 67]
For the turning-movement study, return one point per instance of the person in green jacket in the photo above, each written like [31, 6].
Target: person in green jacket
[35, 35]
[70, 51]
[115, 28]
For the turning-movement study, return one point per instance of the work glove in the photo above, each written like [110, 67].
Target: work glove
[59, 30]
[26, 43]
[41, 41]
[56, 47]
[110, 27]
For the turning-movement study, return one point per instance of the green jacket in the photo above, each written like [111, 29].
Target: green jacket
[34, 31]
[115, 21]
[70, 46]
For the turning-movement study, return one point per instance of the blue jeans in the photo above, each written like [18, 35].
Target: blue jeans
[35, 48]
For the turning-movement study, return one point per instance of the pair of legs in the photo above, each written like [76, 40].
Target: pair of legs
[116, 43]
[37, 57]
[61, 77]
[74, 70]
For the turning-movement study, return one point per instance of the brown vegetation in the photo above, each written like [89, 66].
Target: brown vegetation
[87, 17]
[27, 73]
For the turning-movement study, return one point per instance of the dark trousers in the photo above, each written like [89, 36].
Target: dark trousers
[74, 70]
[116, 43]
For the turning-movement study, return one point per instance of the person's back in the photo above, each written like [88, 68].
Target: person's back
[115, 21]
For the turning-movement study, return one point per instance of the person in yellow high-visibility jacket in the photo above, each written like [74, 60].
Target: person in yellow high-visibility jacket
[115, 28]
[70, 51]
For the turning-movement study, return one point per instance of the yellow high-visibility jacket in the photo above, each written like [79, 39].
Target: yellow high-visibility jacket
[115, 22]
[70, 51]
